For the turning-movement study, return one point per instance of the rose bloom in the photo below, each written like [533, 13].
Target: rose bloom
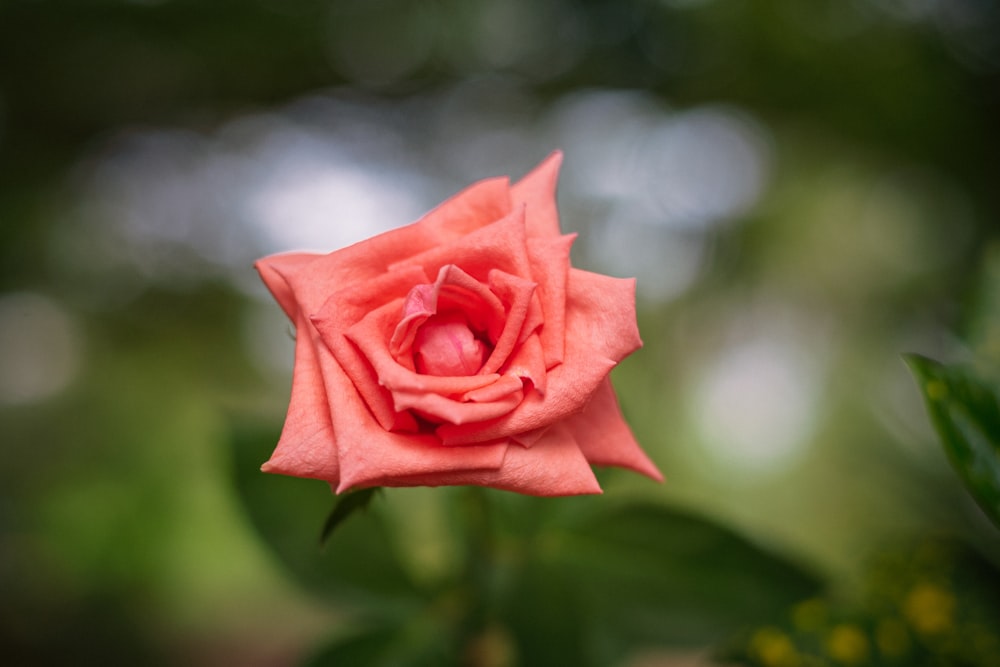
[460, 349]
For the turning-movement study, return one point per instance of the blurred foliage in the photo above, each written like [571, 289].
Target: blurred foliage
[123, 537]
[532, 581]
[931, 603]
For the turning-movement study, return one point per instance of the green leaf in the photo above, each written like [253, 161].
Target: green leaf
[363, 568]
[345, 506]
[966, 414]
[643, 575]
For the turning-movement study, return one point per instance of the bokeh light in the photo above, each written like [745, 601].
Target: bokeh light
[757, 403]
[41, 348]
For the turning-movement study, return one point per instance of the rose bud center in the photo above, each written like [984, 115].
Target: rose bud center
[446, 345]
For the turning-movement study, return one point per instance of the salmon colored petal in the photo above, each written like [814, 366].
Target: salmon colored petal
[446, 345]
[537, 192]
[528, 363]
[550, 266]
[457, 399]
[480, 204]
[566, 394]
[454, 289]
[604, 314]
[553, 467]
[600, 331]
[508, 384]
[370, 335]
[271, 270]
[370, 458]
[501, 245]
[438, 408]
[339, 313]
[604, 437]
[366, 451]
[523, 316]
[306, 447]
[529, 438]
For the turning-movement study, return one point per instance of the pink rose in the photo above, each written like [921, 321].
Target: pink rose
[460, 349]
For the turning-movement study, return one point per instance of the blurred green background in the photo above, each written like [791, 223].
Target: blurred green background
[804, 190]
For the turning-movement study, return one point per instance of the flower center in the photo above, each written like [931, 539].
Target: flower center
[445, 345]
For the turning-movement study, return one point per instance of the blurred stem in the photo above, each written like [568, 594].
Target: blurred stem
[480, 544]
[478, 578]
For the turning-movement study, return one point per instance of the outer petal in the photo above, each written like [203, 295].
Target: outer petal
[537, 191]
[604, 437]
[272, 270]
[501, 245]
[554, 466]
[306, 447]
[330, 434]
[311, 283]
[601, 311]
[366, 451]
[340, 312]
[479, 204]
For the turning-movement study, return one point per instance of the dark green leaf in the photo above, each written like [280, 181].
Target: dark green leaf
[345, 506]
[287, 512]
[643, 575]
[966, 414]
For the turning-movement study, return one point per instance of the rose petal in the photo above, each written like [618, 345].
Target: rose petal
[600, 331]
[501, 245]
[603, 310]
[370, 334]
[365, 450]
[330, 433]
[439, 408]
[339, 313]
[313, 282]
[272, 271]
[528, 364]
[364, 462]
[479, 204]
[553, 467]
[550, 267]
[529, 438]
[453, 289]
[523, 315]
[605, 438]
[445, 345]
[508, 384]
[306, 446]
[537, 190]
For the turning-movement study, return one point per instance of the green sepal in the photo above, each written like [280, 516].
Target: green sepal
[346, 505]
